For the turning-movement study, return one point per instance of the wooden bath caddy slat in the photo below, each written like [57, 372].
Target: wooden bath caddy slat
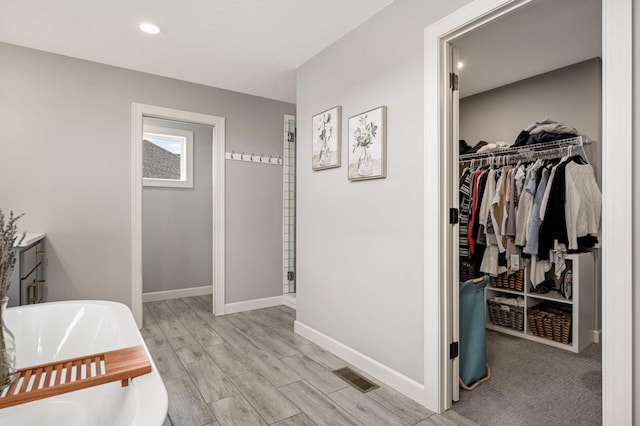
[46, 380]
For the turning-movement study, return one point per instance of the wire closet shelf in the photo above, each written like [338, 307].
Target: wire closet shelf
[526, 152]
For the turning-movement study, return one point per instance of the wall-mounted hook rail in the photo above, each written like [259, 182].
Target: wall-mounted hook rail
[252, 158]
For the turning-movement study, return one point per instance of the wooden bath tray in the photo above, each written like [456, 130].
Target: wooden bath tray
[46, 380]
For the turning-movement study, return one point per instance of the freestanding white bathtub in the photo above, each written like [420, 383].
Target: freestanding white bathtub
[55, 331]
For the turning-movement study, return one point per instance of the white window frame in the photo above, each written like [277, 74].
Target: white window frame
[186, 159]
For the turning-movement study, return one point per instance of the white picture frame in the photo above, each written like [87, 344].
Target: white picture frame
[326, 139]
[368, 145]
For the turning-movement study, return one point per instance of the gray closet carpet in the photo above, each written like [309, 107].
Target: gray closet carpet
[536, 384]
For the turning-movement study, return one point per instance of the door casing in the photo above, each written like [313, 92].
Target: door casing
[138, 112]
[617, 191]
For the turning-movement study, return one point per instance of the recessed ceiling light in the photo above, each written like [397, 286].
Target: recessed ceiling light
[149, 28]
[460, 65]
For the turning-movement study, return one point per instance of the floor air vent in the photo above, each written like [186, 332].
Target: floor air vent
[355, 379]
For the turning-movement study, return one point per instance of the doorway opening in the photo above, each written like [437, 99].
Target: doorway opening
[154, 115]
[440, 131]
[540, 338]
[177, 207]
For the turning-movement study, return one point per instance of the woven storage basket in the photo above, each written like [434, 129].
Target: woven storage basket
[500, 281]
[550, 323]
[506, 315]
[466, 271]
[513, 281]
[516, 280]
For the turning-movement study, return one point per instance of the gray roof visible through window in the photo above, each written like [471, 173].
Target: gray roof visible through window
[158, 163]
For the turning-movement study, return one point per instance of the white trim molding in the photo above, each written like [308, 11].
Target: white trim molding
[289, 300]
[138, 112]
[597, 336]
[617, 191]
[376, 369]
[250, 305]
[156, 296]
[617, 213]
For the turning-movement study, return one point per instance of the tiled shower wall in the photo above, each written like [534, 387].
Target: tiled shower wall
[289, 211]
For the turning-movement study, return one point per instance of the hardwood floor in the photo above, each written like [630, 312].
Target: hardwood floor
[250, 368]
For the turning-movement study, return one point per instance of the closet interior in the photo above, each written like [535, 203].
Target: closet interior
[528, 179]
[530, 219]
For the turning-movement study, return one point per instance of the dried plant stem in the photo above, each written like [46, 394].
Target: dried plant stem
[8, 240]
[5, 361]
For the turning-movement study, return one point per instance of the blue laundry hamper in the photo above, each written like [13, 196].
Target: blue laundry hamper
[473, 334]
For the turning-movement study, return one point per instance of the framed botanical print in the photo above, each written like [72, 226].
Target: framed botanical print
[368, 144]
[326, 139]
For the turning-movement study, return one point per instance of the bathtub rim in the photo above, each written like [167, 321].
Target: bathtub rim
[150, 391]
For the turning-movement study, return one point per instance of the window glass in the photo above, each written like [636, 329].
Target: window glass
[167, 157]
[162, 156]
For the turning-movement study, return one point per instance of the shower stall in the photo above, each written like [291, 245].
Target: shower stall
[289, 212]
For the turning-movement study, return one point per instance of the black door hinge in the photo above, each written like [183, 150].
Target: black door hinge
[453, 350]
[453, 216]
[291, 275]
[453, 81]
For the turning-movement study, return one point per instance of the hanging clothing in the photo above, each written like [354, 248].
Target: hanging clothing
[489, 193]
[513, 199]
[532, 214]
[472, 212]
[538, 270]
[490, 261]
[534, 220]
[464, 197]
[499, 208]
[583, 203]
[554, 227]
[524, 210]
[476, 234]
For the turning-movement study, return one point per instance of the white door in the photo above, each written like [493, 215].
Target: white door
[454, 231]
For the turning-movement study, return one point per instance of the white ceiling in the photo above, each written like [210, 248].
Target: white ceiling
[548, 35]
[249, 46]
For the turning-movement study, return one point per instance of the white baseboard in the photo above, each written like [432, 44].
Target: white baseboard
[176, 294]
[597, 336]
[388, 376]
[249, 305]
[289, 301]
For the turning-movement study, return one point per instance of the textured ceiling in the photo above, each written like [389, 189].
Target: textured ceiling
[249, 46]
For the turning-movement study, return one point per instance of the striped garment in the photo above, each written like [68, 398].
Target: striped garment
[465, 197]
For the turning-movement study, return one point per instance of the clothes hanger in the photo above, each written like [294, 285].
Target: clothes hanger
[584, 153]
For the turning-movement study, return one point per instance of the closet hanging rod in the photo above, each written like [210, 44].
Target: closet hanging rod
[575, 141]
[253, 158]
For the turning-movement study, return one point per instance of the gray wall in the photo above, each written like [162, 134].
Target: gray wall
[71, 171]
[360, 244]
[254, 218]
[636, 213]
[571, 95]
[177, 224]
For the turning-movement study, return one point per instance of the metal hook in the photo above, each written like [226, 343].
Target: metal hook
[242, 156]
[261, 158]
[232, 152]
